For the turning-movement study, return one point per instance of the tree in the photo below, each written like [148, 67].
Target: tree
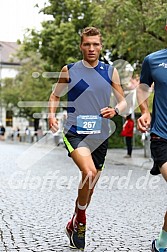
[58, 41]
[132, 28]
[28, 86]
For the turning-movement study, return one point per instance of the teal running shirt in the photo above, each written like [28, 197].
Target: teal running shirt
[154, 70]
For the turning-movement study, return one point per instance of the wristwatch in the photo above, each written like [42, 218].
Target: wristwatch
[116, 111]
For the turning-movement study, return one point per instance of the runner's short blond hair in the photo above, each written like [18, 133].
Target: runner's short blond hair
[91, 31]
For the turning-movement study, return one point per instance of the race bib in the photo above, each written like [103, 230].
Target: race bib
[88, 124]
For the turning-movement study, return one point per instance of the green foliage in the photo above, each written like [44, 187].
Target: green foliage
[9, 92]
[132, 28]
[61, 48]
[58, 41]
[117, 141]
[27, 88]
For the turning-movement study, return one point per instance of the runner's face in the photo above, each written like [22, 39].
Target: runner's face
[90, 48]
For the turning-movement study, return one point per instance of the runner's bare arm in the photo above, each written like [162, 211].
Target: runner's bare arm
[108, 112]
[55, 98]
[143, 123]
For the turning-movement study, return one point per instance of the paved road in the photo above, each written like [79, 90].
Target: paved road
[36, 202]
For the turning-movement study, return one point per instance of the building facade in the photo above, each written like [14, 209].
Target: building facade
[9, 68]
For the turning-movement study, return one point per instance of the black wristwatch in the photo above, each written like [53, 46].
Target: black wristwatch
[116, 111]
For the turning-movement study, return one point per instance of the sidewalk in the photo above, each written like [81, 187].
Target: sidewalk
[117, 157]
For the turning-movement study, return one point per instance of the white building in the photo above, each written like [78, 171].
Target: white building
[9, 67]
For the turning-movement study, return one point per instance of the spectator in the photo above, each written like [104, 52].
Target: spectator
[2, 133]
[127, 132]
[27, 135]
[18, 134]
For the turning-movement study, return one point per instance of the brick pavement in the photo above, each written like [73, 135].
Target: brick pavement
[125, 214]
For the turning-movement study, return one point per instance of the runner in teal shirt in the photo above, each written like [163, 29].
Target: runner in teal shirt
[154, 72]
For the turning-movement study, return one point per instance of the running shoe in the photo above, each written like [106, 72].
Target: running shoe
[154, 249]
[78, 235]
[69, 232]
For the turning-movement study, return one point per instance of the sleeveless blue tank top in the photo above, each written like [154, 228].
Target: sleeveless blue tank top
[89, 90]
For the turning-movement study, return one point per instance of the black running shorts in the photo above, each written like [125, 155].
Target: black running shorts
[97, 147]
[159, 153]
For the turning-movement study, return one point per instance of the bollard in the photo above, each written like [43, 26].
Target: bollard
[147, 152]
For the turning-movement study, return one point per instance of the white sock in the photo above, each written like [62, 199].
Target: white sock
[82, 207]
[162, 240]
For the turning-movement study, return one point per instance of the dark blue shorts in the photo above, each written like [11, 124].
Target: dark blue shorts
[73, 141]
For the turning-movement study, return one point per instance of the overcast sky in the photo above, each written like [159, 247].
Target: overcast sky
[16, 16]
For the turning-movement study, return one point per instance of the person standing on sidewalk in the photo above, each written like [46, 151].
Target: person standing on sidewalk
[2, 132]
[89, 83]
[154, 70]
[127, 132]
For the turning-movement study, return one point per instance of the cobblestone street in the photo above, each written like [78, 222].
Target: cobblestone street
[125, 214]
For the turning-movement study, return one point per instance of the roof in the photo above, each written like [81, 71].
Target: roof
[7, 53]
